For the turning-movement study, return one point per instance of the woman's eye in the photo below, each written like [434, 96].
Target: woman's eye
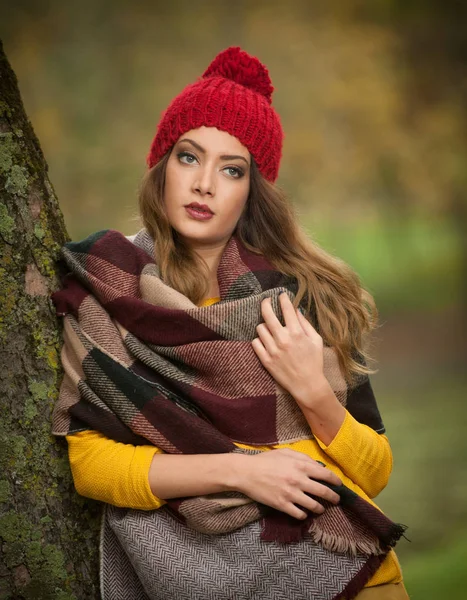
[235, 172]
[188, 157]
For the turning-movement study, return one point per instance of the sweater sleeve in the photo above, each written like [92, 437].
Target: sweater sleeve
[111, 471]
[364, 455]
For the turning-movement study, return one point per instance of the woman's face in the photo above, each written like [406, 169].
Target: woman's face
[212, 168]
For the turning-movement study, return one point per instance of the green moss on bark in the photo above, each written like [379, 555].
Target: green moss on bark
[5, 491]
[8, 150]
[17, 181]
[7, 224]
[8, 295]
[45, 563]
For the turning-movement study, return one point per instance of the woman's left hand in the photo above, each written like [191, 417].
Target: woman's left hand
[293, 354]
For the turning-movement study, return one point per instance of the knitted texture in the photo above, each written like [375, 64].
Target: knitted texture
[234, 94]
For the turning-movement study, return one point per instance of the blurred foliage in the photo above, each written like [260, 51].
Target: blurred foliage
[439, 573]
[373, 100]
[408, 266]
[426, 441]
[428, 487]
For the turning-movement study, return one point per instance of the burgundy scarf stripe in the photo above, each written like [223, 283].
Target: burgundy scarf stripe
[159, 325]
[217, 367]
[225, 414]
[108, 249]
[188, 433]
[110, 281]
[70, 302]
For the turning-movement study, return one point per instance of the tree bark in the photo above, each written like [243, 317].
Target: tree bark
[49, 534]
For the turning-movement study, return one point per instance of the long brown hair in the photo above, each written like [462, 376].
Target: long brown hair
[344, 311]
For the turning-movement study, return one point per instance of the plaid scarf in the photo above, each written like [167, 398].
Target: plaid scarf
[144, 365]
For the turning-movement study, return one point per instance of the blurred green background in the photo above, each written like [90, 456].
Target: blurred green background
[373, 101]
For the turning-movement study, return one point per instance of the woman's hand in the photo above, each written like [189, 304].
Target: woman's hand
[281, 479]
[293, 354]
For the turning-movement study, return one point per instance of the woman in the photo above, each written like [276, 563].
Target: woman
[216, 395]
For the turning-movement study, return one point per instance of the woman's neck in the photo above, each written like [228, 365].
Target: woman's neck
[212, 257]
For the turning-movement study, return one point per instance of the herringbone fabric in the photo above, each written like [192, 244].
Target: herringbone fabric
[144, 365]
[173, 563]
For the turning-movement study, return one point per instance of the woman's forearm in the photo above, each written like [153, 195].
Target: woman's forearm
[323, 411]
[143, 477]
[175, 476]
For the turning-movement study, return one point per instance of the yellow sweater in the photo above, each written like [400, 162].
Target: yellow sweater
[117, 473]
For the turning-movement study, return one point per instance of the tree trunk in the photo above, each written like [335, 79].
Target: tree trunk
[49, 534]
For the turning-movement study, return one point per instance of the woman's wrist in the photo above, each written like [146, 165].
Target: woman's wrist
[237, 468]
[322, 410]
[314, 394]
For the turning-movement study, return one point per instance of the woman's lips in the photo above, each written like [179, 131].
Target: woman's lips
[199, 215]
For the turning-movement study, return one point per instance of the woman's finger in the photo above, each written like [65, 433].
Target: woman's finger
[260, 350]
[305, 501]
[266, 339]
[294, 511]
[269, 316]
[322, 491]
[316, 471]
[290, 316]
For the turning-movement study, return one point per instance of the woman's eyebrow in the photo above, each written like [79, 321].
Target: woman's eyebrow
[203, 151]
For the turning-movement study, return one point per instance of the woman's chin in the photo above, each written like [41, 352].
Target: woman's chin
[200, 235]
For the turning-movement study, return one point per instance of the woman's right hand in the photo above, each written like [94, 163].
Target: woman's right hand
[281, 478]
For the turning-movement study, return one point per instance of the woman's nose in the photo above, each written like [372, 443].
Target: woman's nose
[204, 182]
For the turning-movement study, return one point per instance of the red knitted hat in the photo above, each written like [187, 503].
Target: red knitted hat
[234, 95]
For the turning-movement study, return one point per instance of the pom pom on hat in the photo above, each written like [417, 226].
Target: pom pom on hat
[235, 64]
[234, 94]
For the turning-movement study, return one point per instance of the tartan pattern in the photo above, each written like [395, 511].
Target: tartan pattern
[143, 364]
